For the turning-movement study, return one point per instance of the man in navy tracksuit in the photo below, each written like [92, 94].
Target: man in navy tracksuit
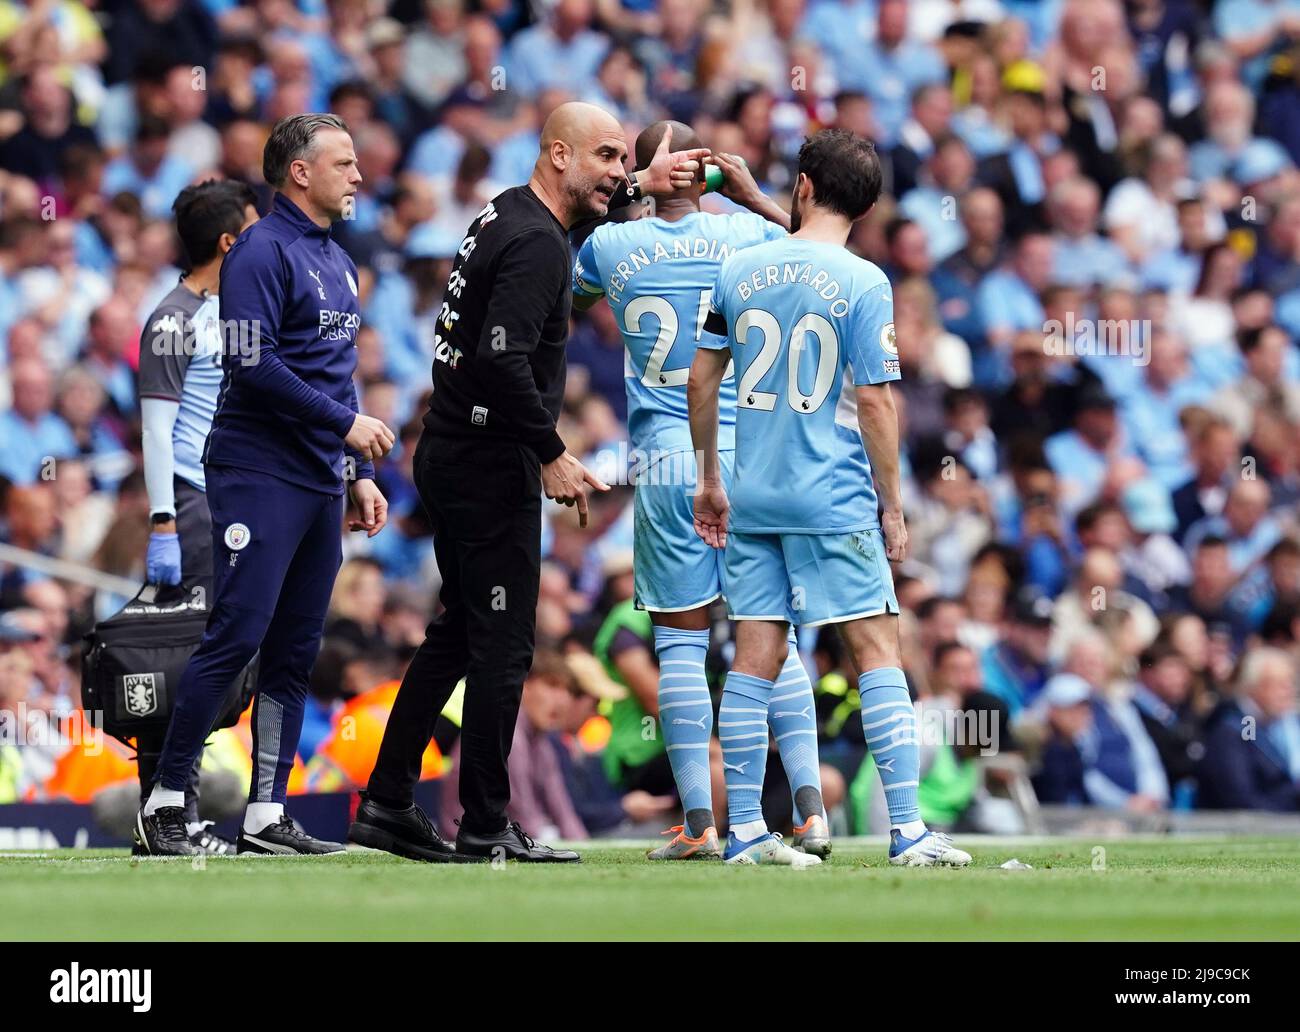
[285, 442]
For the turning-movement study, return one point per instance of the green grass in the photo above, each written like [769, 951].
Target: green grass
[1240, 888]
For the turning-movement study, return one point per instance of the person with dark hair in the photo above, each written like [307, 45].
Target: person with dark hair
[180, 375]
[287, 444]
[1264, 383]
[818, 511]
[1163, 697]
[931, 115]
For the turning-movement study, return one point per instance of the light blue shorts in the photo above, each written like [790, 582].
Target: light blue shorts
[808, 579]
[673, 569]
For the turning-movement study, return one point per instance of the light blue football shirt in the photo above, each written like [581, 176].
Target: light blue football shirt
[657, 276]
[808, 322]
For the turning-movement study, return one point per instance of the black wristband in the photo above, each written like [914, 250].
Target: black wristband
[156, 518]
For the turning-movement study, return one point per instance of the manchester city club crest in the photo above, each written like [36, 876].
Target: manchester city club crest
[237, 537]
[140, 694]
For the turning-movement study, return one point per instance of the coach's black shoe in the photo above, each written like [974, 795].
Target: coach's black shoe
[407, 833]
[163, 833]
[284, 838]
[512, 844]
[209, 842]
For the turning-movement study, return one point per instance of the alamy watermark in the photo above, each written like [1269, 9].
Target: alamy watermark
[39, 729]
[1099, 338]
[241, 339]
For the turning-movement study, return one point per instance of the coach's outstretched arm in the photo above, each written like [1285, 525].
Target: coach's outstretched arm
[533, 271]
[255, 300]
[878, 421]
[702, 387]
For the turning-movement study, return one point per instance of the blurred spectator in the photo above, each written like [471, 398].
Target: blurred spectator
[1246, 526]
[1098, 752]
[33, 434]
[539, 794]
[561, 51]
[1015, 668]
[357, 605]
[1214, 453]
[1163, 696]
[1252, 742]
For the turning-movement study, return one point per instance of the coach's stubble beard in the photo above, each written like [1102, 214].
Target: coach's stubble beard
[584, 200]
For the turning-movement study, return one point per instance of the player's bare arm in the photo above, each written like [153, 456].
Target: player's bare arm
[702, 389]
[739, 185]
[878, 421]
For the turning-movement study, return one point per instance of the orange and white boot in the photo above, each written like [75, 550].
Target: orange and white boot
[683, 847]
[813, 836]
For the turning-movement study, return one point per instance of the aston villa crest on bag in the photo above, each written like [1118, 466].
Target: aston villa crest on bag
[140, 694]
[134, 660]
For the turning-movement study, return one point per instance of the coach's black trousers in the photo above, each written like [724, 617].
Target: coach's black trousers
[484, 502]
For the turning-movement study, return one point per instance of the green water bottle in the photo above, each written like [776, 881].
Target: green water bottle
[714, 178]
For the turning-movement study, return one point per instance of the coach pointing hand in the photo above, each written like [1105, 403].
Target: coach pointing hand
[488, 452]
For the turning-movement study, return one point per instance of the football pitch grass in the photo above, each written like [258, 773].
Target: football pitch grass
[1164, 889]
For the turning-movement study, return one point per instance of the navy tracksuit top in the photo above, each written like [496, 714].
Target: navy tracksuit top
[290, 315]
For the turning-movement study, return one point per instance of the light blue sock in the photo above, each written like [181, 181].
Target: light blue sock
[686, 716]
[792, 714]
[889, 725]
[742, 730]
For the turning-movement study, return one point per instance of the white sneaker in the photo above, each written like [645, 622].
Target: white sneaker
[930, 849]
[767, 850]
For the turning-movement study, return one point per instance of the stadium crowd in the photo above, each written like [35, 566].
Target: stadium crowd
[1092, 226]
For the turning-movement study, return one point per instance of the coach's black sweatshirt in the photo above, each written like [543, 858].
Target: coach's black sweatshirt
[499, 366]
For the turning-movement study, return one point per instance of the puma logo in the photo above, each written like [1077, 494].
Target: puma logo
[739, 768]
[793, 713]
[320, 287]
[694, 723]
[887, 765]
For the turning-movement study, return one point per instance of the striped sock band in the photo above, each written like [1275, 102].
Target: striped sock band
[686, 716]
[889, 725]
[742, 730]
[792, 714]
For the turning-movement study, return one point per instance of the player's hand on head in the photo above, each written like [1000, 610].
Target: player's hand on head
[370, 508]
[711, 509]
[370, 438]
[672, 170]
[566, 481]
[895, 536]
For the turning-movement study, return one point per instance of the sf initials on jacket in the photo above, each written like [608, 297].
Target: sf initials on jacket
[289, 317]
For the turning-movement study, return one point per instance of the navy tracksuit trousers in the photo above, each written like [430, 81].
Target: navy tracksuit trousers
[276, 549]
